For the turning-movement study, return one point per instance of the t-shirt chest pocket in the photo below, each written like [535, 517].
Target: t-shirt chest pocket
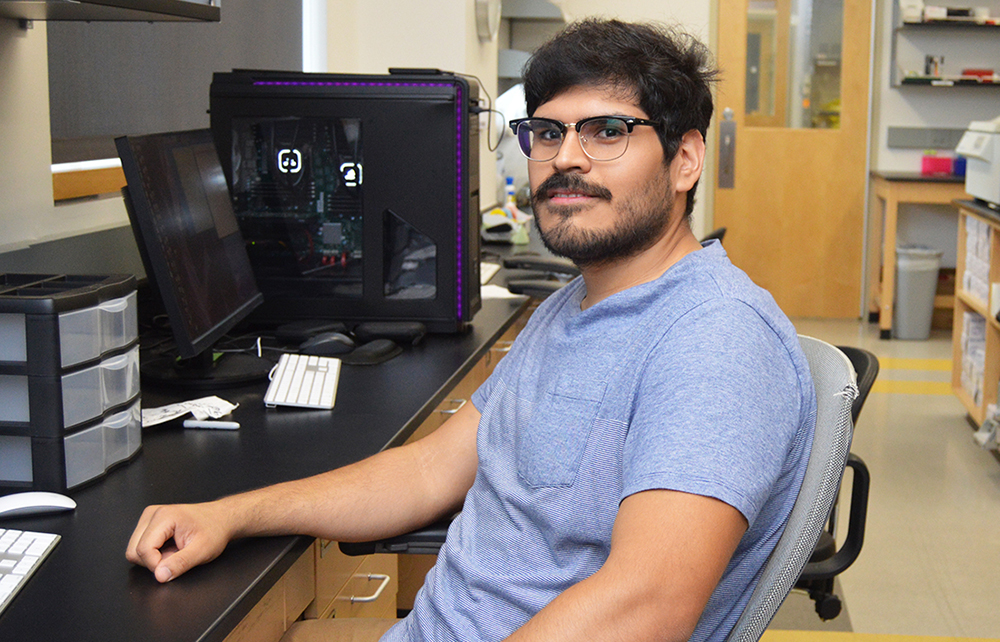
[551, 445]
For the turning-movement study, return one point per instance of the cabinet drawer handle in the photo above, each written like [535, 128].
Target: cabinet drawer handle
[460, 403]
[378, 592]
[503, 347]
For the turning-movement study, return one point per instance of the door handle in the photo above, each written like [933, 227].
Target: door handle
[727, 150]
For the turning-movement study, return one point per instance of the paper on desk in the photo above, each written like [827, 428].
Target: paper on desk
[202, 409]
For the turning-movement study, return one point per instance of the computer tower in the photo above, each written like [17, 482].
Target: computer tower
[357, 195]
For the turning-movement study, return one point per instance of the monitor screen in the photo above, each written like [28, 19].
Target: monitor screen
[182, 216]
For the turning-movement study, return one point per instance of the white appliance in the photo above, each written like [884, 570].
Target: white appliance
[981, 147]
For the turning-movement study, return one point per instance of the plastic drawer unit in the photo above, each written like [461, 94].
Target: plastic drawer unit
[69, 379]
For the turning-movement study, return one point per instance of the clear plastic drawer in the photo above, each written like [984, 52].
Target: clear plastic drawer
[12, 338]
[86, 334]
[91, 452]
[88, 393]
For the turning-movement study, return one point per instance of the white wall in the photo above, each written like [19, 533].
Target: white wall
[923, 106]
[370, 36]
[27, 214]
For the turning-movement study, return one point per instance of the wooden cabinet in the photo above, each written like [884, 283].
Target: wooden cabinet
[280, 606]
[342, 580]
[976, 332]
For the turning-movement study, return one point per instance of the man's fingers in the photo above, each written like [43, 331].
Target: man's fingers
[143, 547]
[170, 540]
[179, 559]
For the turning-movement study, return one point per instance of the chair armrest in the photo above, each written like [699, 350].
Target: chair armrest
[849, 551]
[425, 541]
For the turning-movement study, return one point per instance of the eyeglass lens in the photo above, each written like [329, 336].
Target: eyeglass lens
[601, 138]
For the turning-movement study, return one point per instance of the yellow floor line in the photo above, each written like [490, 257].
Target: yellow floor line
[892, 363]
[913, 387]
[777, 635]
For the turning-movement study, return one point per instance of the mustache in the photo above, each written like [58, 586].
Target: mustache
[571, 182]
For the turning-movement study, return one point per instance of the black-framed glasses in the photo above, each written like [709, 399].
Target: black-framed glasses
[603, 138]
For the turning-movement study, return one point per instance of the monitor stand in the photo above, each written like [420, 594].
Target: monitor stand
[210, 369]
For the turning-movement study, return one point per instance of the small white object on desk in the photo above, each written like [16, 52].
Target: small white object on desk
[205, 408]
[211, 425]
[34, 502]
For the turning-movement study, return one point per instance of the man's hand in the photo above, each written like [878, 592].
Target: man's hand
[170, 540]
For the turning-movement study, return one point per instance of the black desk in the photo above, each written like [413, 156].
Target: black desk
[86, 590]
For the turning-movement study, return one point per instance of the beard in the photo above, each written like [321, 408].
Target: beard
[640, 220]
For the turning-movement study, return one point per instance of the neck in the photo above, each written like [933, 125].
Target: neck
[605, 279]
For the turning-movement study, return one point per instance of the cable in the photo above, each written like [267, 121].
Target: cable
[489, 109]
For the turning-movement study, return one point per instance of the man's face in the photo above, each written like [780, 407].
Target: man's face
[599, 211]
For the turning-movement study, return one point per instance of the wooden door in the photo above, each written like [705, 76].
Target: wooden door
[795, 212]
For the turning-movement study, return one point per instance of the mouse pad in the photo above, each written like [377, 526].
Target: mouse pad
[372, 353]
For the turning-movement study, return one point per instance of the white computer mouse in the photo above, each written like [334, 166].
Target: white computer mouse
[33, 503]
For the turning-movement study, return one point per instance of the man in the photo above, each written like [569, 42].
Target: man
[631, 463]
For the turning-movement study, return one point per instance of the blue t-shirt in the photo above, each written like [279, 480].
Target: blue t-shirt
[693, 382]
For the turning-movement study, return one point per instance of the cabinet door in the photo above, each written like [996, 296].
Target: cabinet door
[280, 606]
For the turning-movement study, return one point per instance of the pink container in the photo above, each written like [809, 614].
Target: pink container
[935, 165]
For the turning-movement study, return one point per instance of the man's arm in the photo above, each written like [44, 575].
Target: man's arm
[393, 492]
[668, 552]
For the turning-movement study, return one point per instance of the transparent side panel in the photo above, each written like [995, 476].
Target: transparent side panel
[297, 192]
[410, 260]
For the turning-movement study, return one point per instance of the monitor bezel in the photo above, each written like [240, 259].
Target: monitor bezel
[151, 250]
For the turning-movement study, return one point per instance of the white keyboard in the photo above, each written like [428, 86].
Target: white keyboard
[303, 381]
[21, 552]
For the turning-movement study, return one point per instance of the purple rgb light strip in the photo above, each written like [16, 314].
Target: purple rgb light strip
[458, 201]
[458, 151]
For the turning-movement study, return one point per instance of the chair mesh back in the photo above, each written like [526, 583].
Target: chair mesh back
[834, 379]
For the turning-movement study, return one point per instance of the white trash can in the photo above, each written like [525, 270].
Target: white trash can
[916, 284]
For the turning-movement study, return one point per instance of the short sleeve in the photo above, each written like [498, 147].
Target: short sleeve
[717, 409]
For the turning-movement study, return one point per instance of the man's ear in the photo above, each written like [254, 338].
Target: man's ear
[689, 161]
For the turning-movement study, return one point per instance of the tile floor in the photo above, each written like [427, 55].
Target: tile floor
[930, 565]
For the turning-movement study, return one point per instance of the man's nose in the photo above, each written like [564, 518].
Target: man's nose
[571, 156]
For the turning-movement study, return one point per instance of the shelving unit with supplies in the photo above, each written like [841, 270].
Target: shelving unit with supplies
[961, 44]
[976, 335]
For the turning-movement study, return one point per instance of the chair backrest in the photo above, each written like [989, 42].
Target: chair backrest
[836, 388]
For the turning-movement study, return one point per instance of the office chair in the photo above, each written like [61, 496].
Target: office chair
[836, 390]
[827, 561]
[718, 233]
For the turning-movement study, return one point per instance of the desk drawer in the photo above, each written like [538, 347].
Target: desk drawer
[376, 576]
[333, 570]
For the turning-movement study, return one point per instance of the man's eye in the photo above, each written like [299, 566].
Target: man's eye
[548, 135]
[609, 130]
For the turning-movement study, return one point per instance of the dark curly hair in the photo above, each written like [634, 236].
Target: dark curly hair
[667, 71]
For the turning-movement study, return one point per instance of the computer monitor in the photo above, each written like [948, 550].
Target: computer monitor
[195, 258]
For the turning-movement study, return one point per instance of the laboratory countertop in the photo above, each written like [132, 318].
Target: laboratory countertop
[86, 590]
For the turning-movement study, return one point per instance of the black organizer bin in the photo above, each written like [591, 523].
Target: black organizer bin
[69, 379]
